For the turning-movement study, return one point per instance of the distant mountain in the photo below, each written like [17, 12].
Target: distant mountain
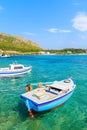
[17, 43]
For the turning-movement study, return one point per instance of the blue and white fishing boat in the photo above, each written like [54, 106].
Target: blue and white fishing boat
[48, 96]
[14, 70]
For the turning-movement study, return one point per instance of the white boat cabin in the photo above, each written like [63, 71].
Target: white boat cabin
[16, 66]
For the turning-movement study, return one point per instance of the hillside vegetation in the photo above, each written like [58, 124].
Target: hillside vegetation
[68, 51]
[17, 44]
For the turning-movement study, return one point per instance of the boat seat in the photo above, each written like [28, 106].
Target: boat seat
[42, 97]
[53, 92]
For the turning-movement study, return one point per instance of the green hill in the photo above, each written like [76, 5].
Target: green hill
[17, 44]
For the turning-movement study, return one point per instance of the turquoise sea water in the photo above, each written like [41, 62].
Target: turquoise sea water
[70, 116]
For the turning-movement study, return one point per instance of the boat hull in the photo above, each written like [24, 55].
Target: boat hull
[15, 73]
[48, 105]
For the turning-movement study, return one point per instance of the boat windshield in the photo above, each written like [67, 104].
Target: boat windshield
[53, 90]
[18, 67]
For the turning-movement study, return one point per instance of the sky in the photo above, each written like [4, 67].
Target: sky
[53, 24]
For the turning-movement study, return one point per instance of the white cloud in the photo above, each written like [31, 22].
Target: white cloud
[1, 8]
[80, 22]
[56, 30]
[52, 30]
[64, 31]
[28, 33]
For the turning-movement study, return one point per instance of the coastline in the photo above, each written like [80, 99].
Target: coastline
[51, 54]
[46, 52]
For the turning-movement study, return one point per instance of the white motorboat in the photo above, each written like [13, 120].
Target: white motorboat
[4, 56]
[14, 70]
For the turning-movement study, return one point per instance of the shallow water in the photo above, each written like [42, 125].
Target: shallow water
[70, 116]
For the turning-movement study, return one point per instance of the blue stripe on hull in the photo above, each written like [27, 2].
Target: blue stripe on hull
[55, 103]
[15, 72]
[48, 105]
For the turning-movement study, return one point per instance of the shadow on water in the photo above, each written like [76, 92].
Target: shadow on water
[21, 108]
[44, 113]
